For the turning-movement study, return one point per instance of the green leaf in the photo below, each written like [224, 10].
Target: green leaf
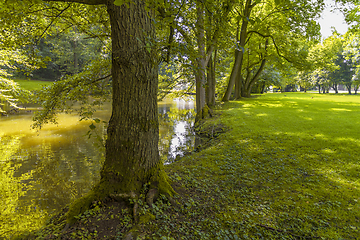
[92, 126]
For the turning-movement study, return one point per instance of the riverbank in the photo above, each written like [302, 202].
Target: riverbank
[287, 167]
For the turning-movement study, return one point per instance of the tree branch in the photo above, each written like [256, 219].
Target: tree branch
[51, 23]
[273, 40]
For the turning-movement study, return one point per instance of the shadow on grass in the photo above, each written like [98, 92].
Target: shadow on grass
[288, 169]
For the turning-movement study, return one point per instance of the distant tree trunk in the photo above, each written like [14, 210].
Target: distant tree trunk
[76, 58]
[74, 44]
[319, 88]
[132, 156]
[262, 90]
[250, 81]
[348, 86]
[335, 87]
[356, 87]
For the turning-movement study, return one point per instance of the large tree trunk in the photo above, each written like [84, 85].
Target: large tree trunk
[132, 157]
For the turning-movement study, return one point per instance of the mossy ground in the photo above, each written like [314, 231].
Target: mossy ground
[288, 167]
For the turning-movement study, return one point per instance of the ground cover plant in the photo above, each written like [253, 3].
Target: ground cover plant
[276, 167]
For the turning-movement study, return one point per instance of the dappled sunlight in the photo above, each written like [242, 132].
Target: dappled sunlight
[328, 151]
[340, 109]
[306, 118]
[341, 181]
[301, 161]
[271, 105]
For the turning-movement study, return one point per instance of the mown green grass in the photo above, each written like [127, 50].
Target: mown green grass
[32, 84]
[288, 168]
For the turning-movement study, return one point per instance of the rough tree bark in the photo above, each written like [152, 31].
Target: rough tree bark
[132, 157]
[211, 82]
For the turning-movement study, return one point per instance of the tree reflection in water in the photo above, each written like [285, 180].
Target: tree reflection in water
[176, 120]
[41, 172]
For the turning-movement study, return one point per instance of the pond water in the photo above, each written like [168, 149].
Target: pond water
[41, 172]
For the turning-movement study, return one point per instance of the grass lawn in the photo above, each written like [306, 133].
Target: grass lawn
[32, 84]
[288, 167]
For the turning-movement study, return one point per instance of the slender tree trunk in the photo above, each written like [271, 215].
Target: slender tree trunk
[348, 86]
[210, 44]
[319, 88]
[262, 88]
[249, 82]
[210, 87]
[335, 87]
[239, 81]
[201, 62]
[239, 54]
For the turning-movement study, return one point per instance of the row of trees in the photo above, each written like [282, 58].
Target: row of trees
[336, 61]
[195, 42]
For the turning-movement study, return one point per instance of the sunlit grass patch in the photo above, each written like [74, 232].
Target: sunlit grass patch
[32, 84]
[287, 169]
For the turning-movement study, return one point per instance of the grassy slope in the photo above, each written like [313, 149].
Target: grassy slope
[288, 168]
[32, 84]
